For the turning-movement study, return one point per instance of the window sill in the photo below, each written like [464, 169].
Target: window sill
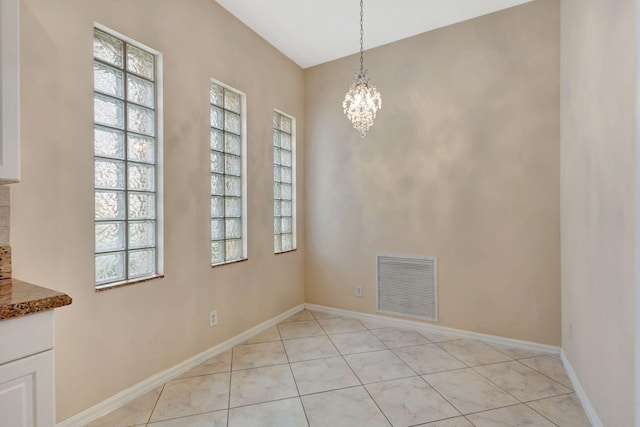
[108, 287]
[235, 261]
[285, 252]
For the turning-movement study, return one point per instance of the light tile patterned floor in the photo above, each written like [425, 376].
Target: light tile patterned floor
[317, 369]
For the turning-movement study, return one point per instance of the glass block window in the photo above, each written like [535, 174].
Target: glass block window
[228, 166]
[284, 183]
[126, 161]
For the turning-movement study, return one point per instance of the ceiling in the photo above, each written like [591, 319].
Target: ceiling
[312, 32]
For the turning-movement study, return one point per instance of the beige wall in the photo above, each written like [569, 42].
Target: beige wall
[108, 341]
[462, 163]
[598, 185]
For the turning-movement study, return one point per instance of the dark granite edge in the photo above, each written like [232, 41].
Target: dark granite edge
[25, 298]
[35, 306]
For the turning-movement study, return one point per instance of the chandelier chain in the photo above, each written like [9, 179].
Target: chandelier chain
[361, 35]
[362, 101]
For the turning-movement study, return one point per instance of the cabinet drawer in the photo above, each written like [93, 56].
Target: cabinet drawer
[26, 335]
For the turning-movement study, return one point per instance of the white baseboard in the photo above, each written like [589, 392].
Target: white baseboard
[145, 386]
[589, 410]
[404, 323]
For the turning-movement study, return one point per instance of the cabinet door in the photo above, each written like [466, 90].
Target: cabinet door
[26, 392]
[9, 91]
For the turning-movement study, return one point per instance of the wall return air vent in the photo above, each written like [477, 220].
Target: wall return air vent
[408, 286]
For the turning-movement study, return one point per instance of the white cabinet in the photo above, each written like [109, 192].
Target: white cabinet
[9, 91]
[26, 371]
[26, 391]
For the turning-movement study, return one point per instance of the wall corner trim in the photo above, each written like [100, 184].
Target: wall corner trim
[120, 399]
[589, 410]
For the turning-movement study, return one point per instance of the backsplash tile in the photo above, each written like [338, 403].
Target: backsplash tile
[5, 262]
[5, 215]
[4, 236]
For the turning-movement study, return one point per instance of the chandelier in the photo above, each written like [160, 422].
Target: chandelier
[362, 101]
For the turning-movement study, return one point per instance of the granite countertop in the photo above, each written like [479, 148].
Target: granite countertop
[18, 298]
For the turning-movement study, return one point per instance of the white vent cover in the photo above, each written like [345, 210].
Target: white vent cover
[408, 286]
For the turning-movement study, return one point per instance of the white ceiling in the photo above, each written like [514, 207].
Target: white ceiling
[312, 32]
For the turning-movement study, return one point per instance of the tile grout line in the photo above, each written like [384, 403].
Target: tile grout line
[468, 420]
[377, 405]
[511, 406]
[441, 395]
[534, 370]
[434, 372]
[492, 382]
[362, 384]
[358, 378]
[543, 374]
[403, 361]
[542, 415]
[520, 402]
[439, 421]
[288, 363]
[230, 379]
[155, 404]
[453, 355]
[178, 418]
[247, 405]
[342, 355]
[391, 349]
[495, 409]
[471, 367]
[507, 354]
[523, 402]
[295, 382]
[549, 397]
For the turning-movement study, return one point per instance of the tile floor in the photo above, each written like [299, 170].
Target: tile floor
[316, 369]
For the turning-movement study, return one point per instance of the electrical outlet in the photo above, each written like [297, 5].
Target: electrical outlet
[213, 318]
[358, 291]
